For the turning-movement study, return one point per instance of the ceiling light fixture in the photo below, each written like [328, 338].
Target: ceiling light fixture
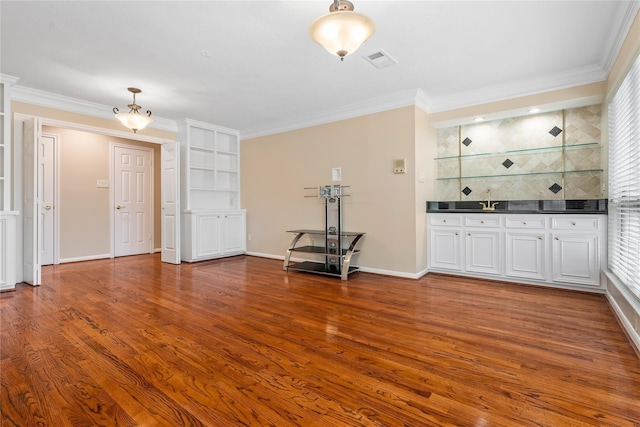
[479, 119]
[133, 119]
[341, 31]
[534, 110]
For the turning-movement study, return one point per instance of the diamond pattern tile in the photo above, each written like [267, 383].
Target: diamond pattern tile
[555, 188]
[536, 164]
[555, 131]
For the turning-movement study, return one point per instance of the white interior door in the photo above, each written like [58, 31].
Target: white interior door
[31, 263]
[47, 196]
[170, 216]
[133, 194]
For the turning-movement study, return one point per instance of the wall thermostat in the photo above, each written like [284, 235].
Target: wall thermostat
[400, 166]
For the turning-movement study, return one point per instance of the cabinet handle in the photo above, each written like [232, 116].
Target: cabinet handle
[482, 222]
[557, 238]
[468, 234]
[456, 233]
[48, 207]
[573, 223]
[539, 237]
[524, 222]
[444, 220]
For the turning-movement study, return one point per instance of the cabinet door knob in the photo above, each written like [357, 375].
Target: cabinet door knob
[482, 222]
[48, 207]
[119, 207]
[557, 238]
[524, 222]
[539, 237]
[468, 234]
[444, 220]
[456, 233]
[573, 223]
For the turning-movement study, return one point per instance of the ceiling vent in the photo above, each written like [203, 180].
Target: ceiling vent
[380, 59]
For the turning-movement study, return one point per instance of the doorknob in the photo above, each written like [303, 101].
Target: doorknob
[119, 207]
[48, 207]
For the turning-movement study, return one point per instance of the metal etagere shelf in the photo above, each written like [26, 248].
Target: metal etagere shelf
[339, 245]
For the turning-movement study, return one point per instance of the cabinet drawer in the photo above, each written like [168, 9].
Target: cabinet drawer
[525, 222]
[445, 220]
[483, 221]
[574, 223]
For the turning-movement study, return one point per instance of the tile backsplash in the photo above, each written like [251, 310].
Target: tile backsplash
[553, 155]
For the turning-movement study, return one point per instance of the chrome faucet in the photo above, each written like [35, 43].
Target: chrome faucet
[489, 206]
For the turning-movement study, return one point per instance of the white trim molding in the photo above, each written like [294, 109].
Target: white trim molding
[74, 105]
[628, 324]
[372, 106]
[382, 272]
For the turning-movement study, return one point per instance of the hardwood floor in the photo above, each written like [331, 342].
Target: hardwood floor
[237, 341]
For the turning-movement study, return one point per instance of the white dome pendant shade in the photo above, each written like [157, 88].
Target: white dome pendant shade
[133, 119]
[342, 31]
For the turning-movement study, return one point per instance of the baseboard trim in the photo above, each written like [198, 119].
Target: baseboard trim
[363, 269]
[84, 258]
[630, 331]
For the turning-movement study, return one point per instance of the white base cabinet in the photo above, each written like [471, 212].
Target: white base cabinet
[562, 250]
[8, 250]
[483, 252]
[446, 249]
[525, 252]
[213, 234]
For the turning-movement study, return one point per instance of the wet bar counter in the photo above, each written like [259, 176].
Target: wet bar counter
[591, 206]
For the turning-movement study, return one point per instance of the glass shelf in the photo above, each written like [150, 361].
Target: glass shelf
[521, 151]
[203, 168]
[518, 174]
[200, 148]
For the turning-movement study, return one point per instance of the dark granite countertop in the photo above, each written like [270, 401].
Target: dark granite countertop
[589, 206]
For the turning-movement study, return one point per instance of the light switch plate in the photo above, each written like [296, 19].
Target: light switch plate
[103, 183]
[336, 174]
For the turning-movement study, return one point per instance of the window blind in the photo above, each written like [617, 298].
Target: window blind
[624, 181]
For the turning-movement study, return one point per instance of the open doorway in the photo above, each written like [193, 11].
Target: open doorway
[86, 208]
[90, 226]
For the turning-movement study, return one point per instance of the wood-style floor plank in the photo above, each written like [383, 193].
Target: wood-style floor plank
[238, 341]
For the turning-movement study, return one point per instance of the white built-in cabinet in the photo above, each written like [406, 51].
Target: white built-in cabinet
[8, 217]
[563, 250]
[213, 225]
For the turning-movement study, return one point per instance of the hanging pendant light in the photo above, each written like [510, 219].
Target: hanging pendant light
[133, 119]
[342, 31]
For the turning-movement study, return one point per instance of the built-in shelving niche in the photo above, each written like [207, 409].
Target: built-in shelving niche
[555, 155]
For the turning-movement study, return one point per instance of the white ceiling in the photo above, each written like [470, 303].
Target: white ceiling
[250, 65]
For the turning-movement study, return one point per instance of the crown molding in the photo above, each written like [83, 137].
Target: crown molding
[423, 100]
[8, 80]
[617, 39]
[518, 112]
[571, 78]
[372, 106]
[74, 105]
